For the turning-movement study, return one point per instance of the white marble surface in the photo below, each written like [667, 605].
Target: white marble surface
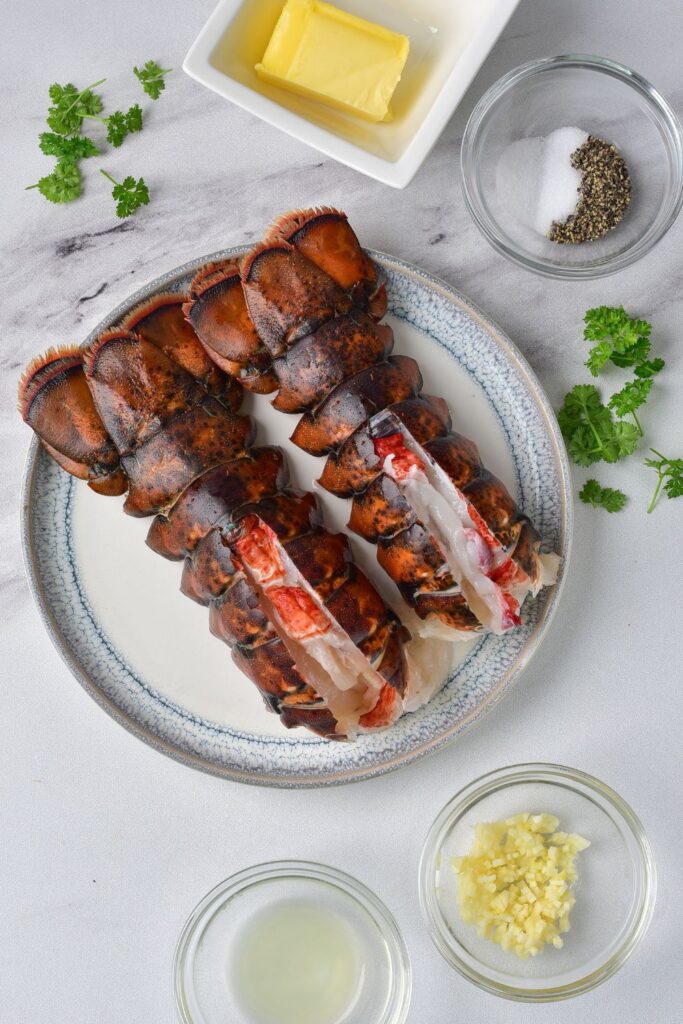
[106, 845]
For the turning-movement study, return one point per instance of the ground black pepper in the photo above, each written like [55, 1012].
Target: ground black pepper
[604, 194]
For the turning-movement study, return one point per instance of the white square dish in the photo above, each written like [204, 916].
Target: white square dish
[449, 41]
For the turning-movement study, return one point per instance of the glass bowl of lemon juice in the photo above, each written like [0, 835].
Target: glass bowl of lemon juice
[291, 942]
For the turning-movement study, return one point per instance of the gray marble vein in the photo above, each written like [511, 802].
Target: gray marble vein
[105, 844]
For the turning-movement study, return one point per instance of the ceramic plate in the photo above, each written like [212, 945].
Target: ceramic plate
[144, 652]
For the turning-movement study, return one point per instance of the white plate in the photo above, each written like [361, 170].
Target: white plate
[143, 651]
[449, 41]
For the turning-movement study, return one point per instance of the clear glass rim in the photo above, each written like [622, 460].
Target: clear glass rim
[504, 778]
[667, 121]
[398, 1003]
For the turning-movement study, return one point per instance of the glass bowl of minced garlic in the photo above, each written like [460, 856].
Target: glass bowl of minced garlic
[537, 882]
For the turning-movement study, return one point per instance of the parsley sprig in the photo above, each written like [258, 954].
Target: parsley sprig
[624, 341]
[609, 498]
[63, 185]
[599, 432]
[120, 123]
[669, 475]
[591, 432]
[152, 78]
[129, 194]
[68, 150]
[69, 108]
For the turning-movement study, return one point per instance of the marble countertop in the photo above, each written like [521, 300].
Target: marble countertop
[106, 845]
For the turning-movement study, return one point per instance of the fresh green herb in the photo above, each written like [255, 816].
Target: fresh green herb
[69, 107]
[63, 185]
[151, 78]
[631, 397]
[67, 150]
[609, 498]
[620, 338]
[591, 432]
[129, 194]
[625, 341]
[649, 367]
[669, 475]
[120, 124]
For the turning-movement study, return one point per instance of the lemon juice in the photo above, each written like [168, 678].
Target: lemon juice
[296, 962]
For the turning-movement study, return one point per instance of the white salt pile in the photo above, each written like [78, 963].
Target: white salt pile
[536, 181]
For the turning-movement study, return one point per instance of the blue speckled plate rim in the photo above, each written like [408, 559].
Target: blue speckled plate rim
[402, 758]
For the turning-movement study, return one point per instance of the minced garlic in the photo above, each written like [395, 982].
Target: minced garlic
[515, 883]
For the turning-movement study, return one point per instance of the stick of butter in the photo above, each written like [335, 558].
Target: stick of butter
[317, 50]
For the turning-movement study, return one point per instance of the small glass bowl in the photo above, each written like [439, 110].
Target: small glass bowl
[201, 968]
[603, 98]
[615, 891]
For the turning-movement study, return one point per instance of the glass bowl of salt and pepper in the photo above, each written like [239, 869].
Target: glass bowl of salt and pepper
[572, 166]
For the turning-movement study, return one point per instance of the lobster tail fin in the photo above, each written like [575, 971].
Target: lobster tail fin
[161, 320]
[55, 401]
[287, 295]
[217, 310]
[324, 236]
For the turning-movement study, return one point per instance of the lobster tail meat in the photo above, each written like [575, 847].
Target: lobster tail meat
[217, 310]
[355, 465]
[55, 400]
[314, 624]
[467, 512]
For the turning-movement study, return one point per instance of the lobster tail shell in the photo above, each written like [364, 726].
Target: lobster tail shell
[381, 510]
[317, 363]
[54, 399]
[166, 428]
[355, 465]
[214, 495]
[161, 321]
[324, 236]
[238, 617]
[283, 688]
[350, 404]
[217, 311]
[287, 296]
[210, 570]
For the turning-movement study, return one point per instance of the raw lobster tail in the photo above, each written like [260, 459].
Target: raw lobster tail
[143, 406]
[286, 596]
[448, 532]
[162, 322]
[148, 409]
[166, 427]
[54, 399]
[287, 295]
[217, 310]
[325, 237]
